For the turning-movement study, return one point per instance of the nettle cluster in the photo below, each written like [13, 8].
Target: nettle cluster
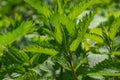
[61, 43]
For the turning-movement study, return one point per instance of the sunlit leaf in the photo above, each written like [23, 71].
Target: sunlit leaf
[79, 8]
[104, 74]
[117, 53]
[94, 36]
[74, 45]
[96, 30]
[39, 49]
[114, 28]
[82, 28]
[10, 37]
[60, 10]
[40, 7]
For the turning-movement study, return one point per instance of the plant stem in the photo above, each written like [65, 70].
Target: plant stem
[72, 69]
[68, 56]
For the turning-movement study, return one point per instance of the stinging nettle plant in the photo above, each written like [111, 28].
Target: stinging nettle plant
[59, 50]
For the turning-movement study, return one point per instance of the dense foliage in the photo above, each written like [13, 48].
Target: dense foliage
[60, 40]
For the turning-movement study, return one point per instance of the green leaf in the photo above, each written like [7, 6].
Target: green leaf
[85, 22]
[10, 37]
[80, 63]
[60, 10]
[77, 9]
[98, 2]
[114, 28]
[15, 56]
[74, 45]
[1, 51]
[19, 68]
[117, 53]
[62, 61]
[19, 78]
[24, 56]
[104, 74]
[4, 21]
[96, 30]
[41, 7]
[18, 55]
[48, 31]
[106, 65]
[95, 37]
[57, 32]
[34, 59]
[56, 21]
[39, 49]
[82, 28]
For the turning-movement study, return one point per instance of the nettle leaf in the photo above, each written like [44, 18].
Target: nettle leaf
[69, 24]
[105, 65]
[96, 30]
[117, 53]
[104, 74]
[60, 10]
[41, 7]
[18, 55]
[86, 45]
[74, 45]
[62, 61]
[114, 28]
[116, 14]
[77, 9]
[102, 1]
[48, 31]
[34, 59]
[85, 22]
[57, 32]
[80, 63]
[95, 37]
[56, 21]
[82, 28]
[39, 49]
[10, 37]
